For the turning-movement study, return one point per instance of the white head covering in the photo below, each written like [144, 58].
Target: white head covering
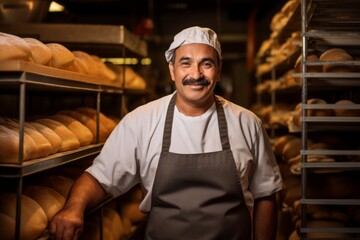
[194, 35]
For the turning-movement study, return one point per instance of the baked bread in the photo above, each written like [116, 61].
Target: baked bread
[90, 123]
[336, 54]
[61, 56]
[40, 53]
[82, 133]
[13, 48]
[9, 141]
[53, 138]
[43, 146]
[346, 112]
[68, 139]
[49, 200]
[33, 218]
[108, 123]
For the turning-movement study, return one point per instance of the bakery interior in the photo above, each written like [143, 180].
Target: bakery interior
[115, 51]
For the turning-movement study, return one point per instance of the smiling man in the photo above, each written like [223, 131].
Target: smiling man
[205, 163]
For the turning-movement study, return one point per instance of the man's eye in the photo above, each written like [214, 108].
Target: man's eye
[207, 64]
[185, 64]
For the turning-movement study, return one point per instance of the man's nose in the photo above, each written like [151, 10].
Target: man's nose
[196, 72]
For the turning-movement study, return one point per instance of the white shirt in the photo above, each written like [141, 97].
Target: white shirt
[131, 153]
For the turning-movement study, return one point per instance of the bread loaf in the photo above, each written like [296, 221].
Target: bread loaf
[82, 133]
[280, 143]
[61, 56]
[13, 48]
[291, 149]
[60, 184]
[114, 221]
[334, 55]
[346, 112]
[89, 123]
[103, 70]
[9, 142]
[49, 134]
[40, 53]
[49, 200]
[33, 218]
[10, 137]
[108, 122]
[7, 227]
[42, 145]
[68, 139]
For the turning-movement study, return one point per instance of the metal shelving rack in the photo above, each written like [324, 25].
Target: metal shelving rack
[326, 24]
[23, 77]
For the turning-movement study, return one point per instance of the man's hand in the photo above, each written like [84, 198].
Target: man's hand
[66, 224]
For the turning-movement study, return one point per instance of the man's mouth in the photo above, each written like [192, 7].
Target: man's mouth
[191, 81]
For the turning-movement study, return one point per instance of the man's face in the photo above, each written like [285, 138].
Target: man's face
[195, 71]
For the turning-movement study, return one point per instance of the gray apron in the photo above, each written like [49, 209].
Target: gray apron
[197, 196]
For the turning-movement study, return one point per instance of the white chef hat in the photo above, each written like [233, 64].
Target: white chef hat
[194, 35]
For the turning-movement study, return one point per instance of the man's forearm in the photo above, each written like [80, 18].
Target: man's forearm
[86, 193]
[265, 218]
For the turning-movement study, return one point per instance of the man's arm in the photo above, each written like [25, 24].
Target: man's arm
[265, 218]
[85, 194]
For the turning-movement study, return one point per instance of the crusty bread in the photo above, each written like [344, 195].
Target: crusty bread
[61, 56]
[33, 218]
[60, 184]
[89, 123]
[336, 54]
[40, 53]
[7, 227]
[49, 134]
[49, 200]
[9, 141]
[13, 48]
[43, 146]
[108, 123]
[68, 138]
[346, 112]
[102, 70]
[82, 133]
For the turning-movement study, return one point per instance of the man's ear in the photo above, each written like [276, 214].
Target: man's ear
[172, 71]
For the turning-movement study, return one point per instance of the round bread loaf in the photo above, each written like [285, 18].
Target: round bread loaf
[319, 112]
[68, 139]
[13, 48]
[49, 200]
[334, 55]
[88, 64]
[82, 133]
[33, 218]
[40, 53]
[291, 149]
[61, 56]
[346, 112]
[281, 141]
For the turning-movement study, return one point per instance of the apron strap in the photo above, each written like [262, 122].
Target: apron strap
[168, 125]
[221, 122]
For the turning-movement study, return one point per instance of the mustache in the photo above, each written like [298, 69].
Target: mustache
[192, 81]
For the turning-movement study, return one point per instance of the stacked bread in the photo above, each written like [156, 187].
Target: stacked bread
[126, 77]
[64, 131]
[58, 56]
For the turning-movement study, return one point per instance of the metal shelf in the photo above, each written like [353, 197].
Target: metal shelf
[37, 165]
[102, 40]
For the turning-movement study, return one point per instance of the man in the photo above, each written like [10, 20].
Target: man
[205, 164]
